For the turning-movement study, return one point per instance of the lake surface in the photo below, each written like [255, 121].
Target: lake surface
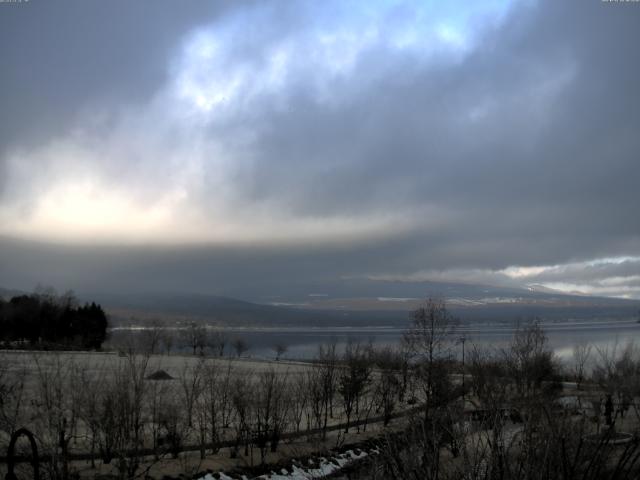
[303, 342]
[563, 336]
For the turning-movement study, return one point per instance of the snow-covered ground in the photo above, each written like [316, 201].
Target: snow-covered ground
[315, 469]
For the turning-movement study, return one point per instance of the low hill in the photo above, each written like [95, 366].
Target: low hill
[467, 302]
[357, 304]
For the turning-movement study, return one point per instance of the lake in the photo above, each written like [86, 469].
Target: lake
[303, 342]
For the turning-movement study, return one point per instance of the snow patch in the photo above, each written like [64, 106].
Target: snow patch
[325, 467]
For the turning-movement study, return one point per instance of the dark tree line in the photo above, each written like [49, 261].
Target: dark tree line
[49, 320]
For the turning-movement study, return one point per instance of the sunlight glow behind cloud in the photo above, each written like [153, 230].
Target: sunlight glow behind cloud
[219, 78]
[449, 139]
[600, 276]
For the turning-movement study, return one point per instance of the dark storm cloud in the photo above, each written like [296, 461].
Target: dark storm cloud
[60, 57]
[529, 143]
[518, 147]
[252, 274]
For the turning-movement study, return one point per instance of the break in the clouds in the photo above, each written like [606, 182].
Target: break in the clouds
[492, 142]
[247, 138]
[617, 276]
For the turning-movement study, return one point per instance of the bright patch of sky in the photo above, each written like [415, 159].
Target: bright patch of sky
[221, 75]
[609, 276]
[176, 167]
[214, 77]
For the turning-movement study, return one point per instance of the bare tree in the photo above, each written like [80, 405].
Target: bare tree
[195, 336]
[13, 398]
[240, 399]
[431, 329]
[617, 371]
[156, 393]
[328, 358]
[499, 444]
[213, 405]
[191, 386]
[218, 342]
[322, 381]
[122, 417]
[167, 338]
[316, 396]
[58, 406]
[152, 337]
[581, 355]
[299, 399]
[226, 404]
[353, 380]
[240, 346]
[489, 375]
[173, 424]
[89, 411]
[491, 385]
[428, 340]
[387, 383]
[269, 411]
[530, 360]
[280, 349]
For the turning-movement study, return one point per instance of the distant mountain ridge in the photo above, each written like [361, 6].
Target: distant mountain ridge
[468, 302]
[387, 304]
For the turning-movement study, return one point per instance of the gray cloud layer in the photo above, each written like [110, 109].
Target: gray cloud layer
[518, 148]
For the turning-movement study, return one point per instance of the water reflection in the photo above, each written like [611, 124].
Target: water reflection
[302, 343]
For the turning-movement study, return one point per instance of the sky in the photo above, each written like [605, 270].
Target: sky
[255, 148]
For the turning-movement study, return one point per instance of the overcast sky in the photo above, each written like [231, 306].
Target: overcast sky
[265, 147]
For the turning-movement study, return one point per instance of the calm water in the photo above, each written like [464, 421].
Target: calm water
[303, 343]
[563, 336]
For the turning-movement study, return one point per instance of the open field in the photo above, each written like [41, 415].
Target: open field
[122, 415]
[105, 412]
